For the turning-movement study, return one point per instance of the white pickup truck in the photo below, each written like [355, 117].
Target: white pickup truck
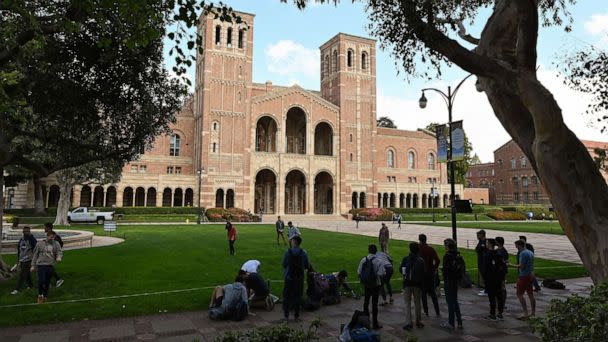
[83, 214]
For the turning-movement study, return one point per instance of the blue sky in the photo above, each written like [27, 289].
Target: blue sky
[286, 43]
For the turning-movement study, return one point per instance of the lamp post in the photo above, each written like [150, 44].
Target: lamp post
[199, 175]
[449, 101]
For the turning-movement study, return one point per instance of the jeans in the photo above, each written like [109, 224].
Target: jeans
[25, 276]
[373, 293]
[428, 289]
[494, 291]
[55, 275]
[231, 245]
[386, 281]
[451, 297]
[292, 296]
[408, 292]
[44, 279]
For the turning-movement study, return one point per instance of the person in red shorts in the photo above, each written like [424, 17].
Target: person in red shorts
[525, 278]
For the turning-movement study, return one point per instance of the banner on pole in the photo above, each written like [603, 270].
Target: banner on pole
[442, 143]
[457, 141]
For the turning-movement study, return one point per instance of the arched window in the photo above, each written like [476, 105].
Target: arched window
[218, 35]
[334, 62]
[351, 137]
[524, 182]
[390, 159]
[513, 163]
[240, 42]
[364, 60]
[349, 58]
[229, 37]
[174, 145]
[523, 162]
[215, 126]
[431, 161]
[411, 160]
[214, 147]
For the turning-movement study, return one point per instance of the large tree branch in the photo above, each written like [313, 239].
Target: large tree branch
[527, 34]
[462, 33]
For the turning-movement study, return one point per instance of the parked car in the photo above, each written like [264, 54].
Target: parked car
[84, 214]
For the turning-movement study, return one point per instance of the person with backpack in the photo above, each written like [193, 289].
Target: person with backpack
[292, 231]
[453, 271]
[413, 270]
[295, 261]
[232, 235]
[25, 251]
[431, 265]
[48, 227]
[525, 277]
[337, 280]
[370, 272]
[45, 255]
[258, 289]
[531, 249]
[280, 228]
[385, 287]
[230, 301]
[481, 250]
[502, 251]
[494, 275]
[383, 237]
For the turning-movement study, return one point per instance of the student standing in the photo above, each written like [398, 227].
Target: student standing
[502, 251]
[525, 278]
[494, 273]
[280, 228]
[383, 237]
[370, 272]
[480, 249]
[232, 236]
[48, 227]
[292, 231]
[531, 249]
[44, 257]
[431, 265]
[412, 268]
[25, 251]
[453, 269]
[399, 221]
[295, 261]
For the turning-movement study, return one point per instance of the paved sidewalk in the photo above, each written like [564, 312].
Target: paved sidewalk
[191, 326]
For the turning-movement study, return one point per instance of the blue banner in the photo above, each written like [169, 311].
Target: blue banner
[442, 143]
[457, 141]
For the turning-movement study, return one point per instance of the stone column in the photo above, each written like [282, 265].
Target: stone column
[103, 197]
[76, 196]
[172, 197]
[119, 197]
[91, 196]
[183, 198]
[159, 199]
[145, 198]
[310, 196]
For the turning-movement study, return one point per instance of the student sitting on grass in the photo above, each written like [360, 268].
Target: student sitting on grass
[229, 301]
[258, 290]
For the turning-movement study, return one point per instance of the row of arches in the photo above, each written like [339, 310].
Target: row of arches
[295, 193]
[224, 199]
[295, 134]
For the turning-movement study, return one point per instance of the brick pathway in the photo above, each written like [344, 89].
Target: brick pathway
[191, 326]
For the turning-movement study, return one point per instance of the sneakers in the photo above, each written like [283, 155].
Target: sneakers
[446, 325]
[14, 292]
[482, 293]
[499, 317]
[40, 300]
[59, 283]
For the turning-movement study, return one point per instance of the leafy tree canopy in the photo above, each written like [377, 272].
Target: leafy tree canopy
[385, 121]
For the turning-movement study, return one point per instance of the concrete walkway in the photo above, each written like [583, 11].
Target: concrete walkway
[191, 326]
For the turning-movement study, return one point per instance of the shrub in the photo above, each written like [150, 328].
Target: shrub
[277, 333]
[232, 214]
[11, 219]
[373, 214]
[506, 215]
[577, 318]
[476, 209]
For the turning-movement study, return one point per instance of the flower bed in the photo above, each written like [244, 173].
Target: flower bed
[506, 215]
[232, 214]
[373, 214]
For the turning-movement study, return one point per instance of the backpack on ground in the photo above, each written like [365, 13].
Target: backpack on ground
[240, 311]
[216, 313]
[553, 284]
[368, 275]
[359, 319]
[321, 284]
[364, 335]
[295, 264]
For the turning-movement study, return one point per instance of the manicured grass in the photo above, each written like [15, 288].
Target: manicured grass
[547, 227]
[163, 258]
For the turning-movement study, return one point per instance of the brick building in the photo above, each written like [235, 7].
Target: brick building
[283, 150]
[511, 180]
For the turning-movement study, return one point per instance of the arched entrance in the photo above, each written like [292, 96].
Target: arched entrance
[379, 200]
[266, 135]
[392, 200]
[178, 198]
[265, 192]
[362, 203]
[323, 139]
[408, 200]
[54, 194]
[167, 197]
[415, 201]
[295, 193]
[424, 202]
[140, 197]
[151, 198]
[445, 200]
[189, 197]
[85, 196]
[295, 131]
[230, 198]
[111, 196]
[324, 193]
[385, 200]
[401, 200]
[127, 197]
[219, 198]
[98, 196]
[354, 200]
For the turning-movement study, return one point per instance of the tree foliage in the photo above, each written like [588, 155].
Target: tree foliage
[385, 121]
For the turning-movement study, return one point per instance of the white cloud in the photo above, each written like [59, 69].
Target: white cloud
[288, 58]
[481, 125]
[598, 25]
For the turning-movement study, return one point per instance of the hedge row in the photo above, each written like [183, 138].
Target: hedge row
[122, 210]
[373, 214]
[231, 214]
[506, 215]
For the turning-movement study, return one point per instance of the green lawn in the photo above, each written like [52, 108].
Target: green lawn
[547, 227]
[164, 258]
[444, 217]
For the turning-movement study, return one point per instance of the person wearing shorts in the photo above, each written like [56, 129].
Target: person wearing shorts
[525, 278]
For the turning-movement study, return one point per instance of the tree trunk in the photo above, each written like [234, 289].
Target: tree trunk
[38, 196]
[65, 189]
[4, 269]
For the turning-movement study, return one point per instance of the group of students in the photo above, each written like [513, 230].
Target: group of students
[39, 256]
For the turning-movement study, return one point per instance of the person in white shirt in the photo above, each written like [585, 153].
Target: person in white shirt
[251, 266]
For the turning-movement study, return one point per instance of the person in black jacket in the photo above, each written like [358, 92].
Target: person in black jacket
[502, 251]
[480, 249]
[531, 249]
[48, 227]
[451, 276]
[494, 275]
[25, 250]
[412, 268]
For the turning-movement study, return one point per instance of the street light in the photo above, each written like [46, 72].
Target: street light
[199, 174]
[449, 100]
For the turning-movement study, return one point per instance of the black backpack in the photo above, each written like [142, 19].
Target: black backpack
[553, 284]
[295, 265]
[459, 267]
[414, 272]
[368, 275]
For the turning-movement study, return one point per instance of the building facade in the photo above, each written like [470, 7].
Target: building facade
[510, 179]
[276, 149]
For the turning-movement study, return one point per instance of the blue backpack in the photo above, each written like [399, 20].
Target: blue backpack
[364, 335]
